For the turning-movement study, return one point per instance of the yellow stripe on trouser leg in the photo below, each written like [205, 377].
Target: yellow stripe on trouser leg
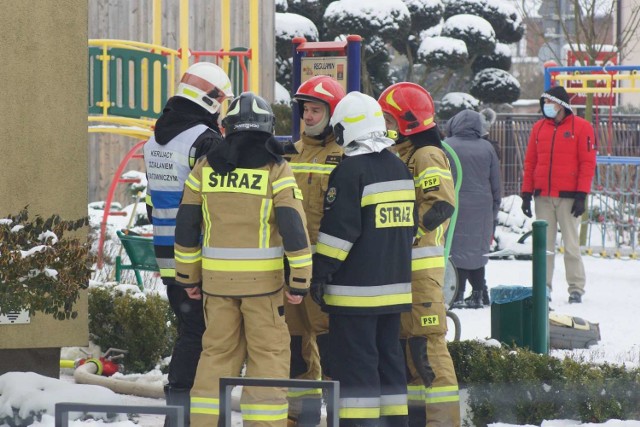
[442, 409]
[268, 357]
[223, 353]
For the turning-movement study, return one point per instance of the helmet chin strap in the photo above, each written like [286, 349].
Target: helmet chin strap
[319, 127]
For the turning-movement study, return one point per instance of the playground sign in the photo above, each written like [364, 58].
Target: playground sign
[332, 66]
[607, 57]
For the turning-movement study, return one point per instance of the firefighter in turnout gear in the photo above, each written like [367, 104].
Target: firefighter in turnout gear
[362, 266]
[241, 212]
[186, 130]
[409, 110]
[317, 155]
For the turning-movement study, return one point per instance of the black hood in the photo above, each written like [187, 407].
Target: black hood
[179, 115]
[245, 150]
[558, 95]
[431, 136]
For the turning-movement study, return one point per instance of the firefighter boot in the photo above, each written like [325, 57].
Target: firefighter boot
[178, 397]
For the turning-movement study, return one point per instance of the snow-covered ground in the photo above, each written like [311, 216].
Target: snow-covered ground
[612, 295]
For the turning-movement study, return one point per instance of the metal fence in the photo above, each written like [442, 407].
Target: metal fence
[619, 136]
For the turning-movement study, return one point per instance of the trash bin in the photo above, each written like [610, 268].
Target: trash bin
[511, 315]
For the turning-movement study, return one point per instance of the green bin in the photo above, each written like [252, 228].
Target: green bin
[511, 315]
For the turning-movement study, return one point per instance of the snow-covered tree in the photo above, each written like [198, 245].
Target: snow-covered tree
[493, 85]
[312, 9]
[445, 42]
[485, 27]
[379, 22]
[443, 51]
[499, 58]
[476, 32]
[281, 6]
[288, 26]
[503, 17]
[454, 102]
[425, 14]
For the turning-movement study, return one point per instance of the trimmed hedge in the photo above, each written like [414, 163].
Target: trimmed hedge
[514, 385]
[144, 326]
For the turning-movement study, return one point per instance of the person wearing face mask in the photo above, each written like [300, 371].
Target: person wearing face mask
[559, 166]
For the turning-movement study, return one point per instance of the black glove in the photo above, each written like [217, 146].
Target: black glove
[526, 204]
[578, 204]
[317, 291]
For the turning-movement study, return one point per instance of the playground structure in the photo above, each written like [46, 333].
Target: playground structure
[130, 82]
[613, 219]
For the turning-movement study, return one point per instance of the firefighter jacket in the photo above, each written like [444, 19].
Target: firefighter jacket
[314, 161]
[249, 219]
[168, 165]
[434, 188]
[364, 246]
[560, 159]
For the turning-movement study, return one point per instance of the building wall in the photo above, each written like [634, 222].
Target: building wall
[43, 117]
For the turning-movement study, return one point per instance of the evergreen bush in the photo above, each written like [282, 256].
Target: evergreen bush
[142, 325]
[516, 386]
[41, 269]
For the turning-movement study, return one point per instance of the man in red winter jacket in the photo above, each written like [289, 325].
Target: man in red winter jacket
[558, 168]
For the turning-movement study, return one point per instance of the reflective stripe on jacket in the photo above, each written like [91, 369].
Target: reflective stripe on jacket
[364, 244]
[433, 182]
[312, 166]
[249, 218]
[167, 169]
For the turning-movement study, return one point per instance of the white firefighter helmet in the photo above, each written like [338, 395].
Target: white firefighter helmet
[206, 84]
[356, 115]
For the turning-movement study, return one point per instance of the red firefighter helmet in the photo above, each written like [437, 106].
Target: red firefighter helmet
[323, 89]
[410, 105]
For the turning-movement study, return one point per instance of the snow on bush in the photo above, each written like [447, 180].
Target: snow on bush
[459, 7]
[424, 13]
[388, 19]
[505, 19]
[290, 25]
[434, 31]
[443, 51]
[282, 95]
[454, 102]
[281, 6]
[493, 85]
[475, 31]
[500, 58]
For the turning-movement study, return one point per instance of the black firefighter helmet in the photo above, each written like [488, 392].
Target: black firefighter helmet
[249, 113]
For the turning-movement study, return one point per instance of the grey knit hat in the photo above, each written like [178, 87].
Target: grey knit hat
[487, 118]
